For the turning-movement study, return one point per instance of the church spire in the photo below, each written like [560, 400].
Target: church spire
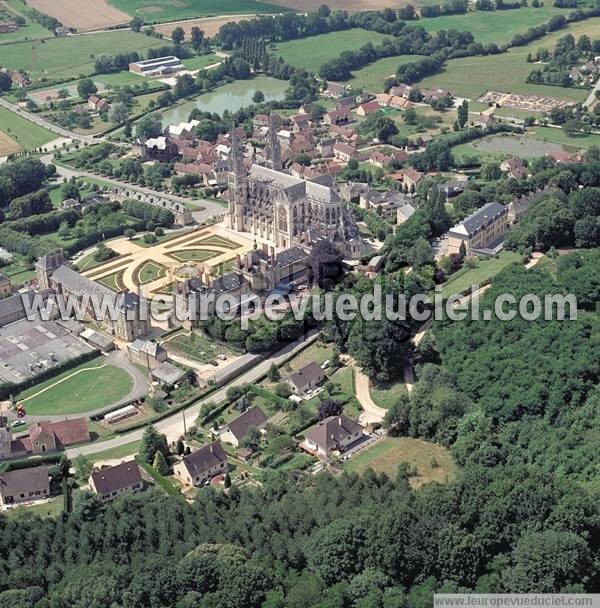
[236, 156]
[273, 147]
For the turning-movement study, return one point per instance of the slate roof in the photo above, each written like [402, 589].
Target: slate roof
[79, 285]
[116, 478]
[251, 417]
[291, 255]
[479, 219]
[330, 431]
[167, 373]
[204, 459]
[309, 374]
[23, 481]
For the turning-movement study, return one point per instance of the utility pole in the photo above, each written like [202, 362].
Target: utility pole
[184, 426]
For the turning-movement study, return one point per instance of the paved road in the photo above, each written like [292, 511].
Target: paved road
[38, 120]
[172, 426]
[206, 208]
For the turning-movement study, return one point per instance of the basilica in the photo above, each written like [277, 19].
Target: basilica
[273, 205]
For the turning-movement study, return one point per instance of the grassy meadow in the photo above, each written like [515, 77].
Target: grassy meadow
[22, 132]
[312, 52]
[494, 26]
[372, 77]
[71, 56]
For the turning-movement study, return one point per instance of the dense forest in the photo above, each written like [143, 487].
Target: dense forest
[518, 405]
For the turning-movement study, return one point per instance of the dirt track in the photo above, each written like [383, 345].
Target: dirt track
[345, 5]
[83, 15]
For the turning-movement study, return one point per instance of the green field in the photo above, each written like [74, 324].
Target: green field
[372, 77]
[484, 271]
[25, 133]
[200, 61]
[560, 137]
[388, 453]
[312, 52]
[473, 76]
[154, 11]
[215, 239]
[499, 27]
[71, 56]
[78, 390]
[386, 394]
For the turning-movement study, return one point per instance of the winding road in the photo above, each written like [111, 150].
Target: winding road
[173, 426]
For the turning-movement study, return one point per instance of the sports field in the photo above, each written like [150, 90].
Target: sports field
[499, 27]
[154, 11]
[432, 461]
[71, 56]
[17, 130]
[312, 52]
[82, 389]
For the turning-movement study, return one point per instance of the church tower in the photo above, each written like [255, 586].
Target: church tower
[273, 148]
[236, 183]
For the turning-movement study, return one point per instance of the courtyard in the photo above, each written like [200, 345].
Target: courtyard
[156, 268]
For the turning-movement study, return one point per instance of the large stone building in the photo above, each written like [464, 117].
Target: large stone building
[286, 210]
[129, 318]
[480, 232]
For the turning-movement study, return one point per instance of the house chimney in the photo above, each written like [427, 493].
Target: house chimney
[340, 420]
[211, 449]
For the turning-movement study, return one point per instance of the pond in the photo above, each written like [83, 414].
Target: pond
[519, 145]
[232, 97]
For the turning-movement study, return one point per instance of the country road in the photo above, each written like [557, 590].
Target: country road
[172, 426]
[206, 208]
[41, 122]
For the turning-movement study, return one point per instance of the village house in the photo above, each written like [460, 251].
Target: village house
[110, 482]
[454, 188]
[98, 104]
[411, 177]
[385, 203]
[325, 147]
[20, 80]
[344, 152]
[7, 26]
[400, 90]
[5, 286]
[307, 378]
[367, 108]
[404, 213]
[338, 117]
[335, 90]
[159, 148]
[430, 95]
[562, 157]
[485, 121]
[167, 374]
[201, 465]
[24, 485]
[520, 204]
[237, 429]
[53, 436]
[379, 159]
[184, 131]
[482, 231]
[514, 167]
[300, 122]
[146, 353]
[335, 433]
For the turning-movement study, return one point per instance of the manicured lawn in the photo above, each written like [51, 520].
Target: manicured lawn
[51, 509]
[150, 271]
[312, 52]
[560, 137]
[372, 77]
[200, 61]
[80, 389]
[155, 11]
[71, 56]
[22, 132]
[196, 346]
[113, 281]
[164, 483]
[385, 456]
[197, 255]
[386, 394]
[215, 239]
[485, 270]
[499, 27]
